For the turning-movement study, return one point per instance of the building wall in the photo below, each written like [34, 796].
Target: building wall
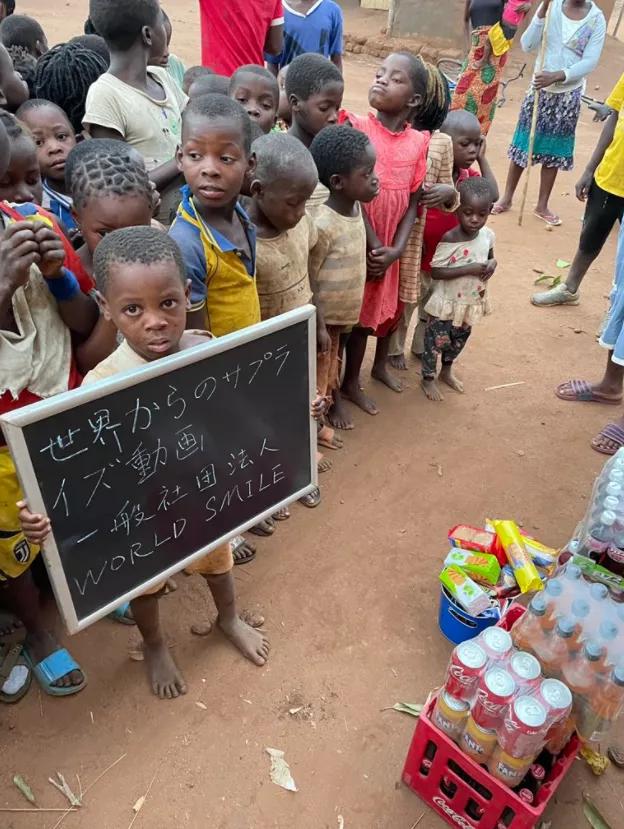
[441, 20]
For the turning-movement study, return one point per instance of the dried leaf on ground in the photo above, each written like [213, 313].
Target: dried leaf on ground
[597, 762]
[24, 788]
[562, 263]
[548, 279]
[202, 706]
[139, 804]
[594, 818]
[280, 770]
[414, 709]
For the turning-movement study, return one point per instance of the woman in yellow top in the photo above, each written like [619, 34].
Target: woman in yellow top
[602, 185]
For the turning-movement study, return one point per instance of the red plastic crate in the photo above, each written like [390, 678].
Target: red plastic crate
[434, 760]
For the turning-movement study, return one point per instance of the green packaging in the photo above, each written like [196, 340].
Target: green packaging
[467, 593]
[482, 566]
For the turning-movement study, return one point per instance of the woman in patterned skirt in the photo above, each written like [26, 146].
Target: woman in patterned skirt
[477, 86]
[574, 41]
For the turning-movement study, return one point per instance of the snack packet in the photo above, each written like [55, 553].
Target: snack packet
[473, 538]
[467, 593]
[481, 566]
[524, 570]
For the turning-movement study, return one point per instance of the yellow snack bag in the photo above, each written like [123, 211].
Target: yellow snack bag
[517, 555]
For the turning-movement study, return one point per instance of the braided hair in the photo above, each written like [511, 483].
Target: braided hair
[105, 167]
[436, 101]
[64, 75]
[26, 64]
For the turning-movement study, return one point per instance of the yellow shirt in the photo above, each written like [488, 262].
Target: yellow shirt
[610, 173]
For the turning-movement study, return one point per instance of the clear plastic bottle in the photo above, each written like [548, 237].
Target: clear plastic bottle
[601, 532]
[581, 675]
[530, 633]
[607, 635]
[597, 714]
[579, 611]
[573, 587]
[555, 650]
[553, 591]
[614, 476]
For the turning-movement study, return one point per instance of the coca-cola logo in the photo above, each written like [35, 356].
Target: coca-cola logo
[487, 704]
[458, 819]
[457, 673]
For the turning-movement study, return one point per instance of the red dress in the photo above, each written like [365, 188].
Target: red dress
[401, 168]
[439, 222]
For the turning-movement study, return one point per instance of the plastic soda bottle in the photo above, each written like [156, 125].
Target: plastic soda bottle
[572, 581]
[555, 650]
[596, 715]
[531, 630]
[579, 613]
[581, 674]
[553, 591]
[607, 635]
[602, 532]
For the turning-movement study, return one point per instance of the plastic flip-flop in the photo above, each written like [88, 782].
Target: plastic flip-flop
[54, 667]
[612, 432]
[15, 673]
[122, 615]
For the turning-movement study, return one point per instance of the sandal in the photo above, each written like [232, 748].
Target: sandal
[312, 499]
[263, 528]
[323, 465]
[559, 295]
[580, 391]
[15, 673]
[550, 219]
[498, 209]
[54, 667]
[612, 432]
[122, 614]
[243, 551]
[329, 439]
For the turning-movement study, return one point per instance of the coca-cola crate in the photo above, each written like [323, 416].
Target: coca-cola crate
[464, 793]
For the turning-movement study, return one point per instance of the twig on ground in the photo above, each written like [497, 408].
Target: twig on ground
[89, 787]
[143, 799]
[43, 809]
[505, 386]
[414, 825]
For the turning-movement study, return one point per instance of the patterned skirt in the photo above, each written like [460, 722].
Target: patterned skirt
[477, 89]
[557, 117]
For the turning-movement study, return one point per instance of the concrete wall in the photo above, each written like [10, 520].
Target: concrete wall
[441, 20]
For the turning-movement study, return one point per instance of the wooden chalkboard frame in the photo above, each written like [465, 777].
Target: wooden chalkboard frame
[14, 422]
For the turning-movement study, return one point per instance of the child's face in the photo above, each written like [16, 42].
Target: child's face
[283, 110]
[320, 110]
[213, 160]
[54, 138]
[283, 202]
[148, 305]
[361, 184]
[101, 216]
[393, 90]
[159, 47]
[258, 96]
[22, 181]
[473, 213]
[466, 146]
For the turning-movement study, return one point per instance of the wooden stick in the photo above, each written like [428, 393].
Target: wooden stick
[144, 799]
[39, 810]
[536, 97]
[90, 786]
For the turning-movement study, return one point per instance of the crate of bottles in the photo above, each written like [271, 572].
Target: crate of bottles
[496, 761]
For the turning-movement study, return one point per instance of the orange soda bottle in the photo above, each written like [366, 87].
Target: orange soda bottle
[530, 632]
[579, 612]
[581, 674]
[555, 651]
[597, 714]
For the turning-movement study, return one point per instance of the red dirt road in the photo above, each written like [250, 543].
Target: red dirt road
[350, 590]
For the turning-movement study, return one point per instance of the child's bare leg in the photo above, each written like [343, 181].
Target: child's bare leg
[165, 679]
[396, 350]
[514, 174]
[458, 339]
[338, 416]
[355, 350]
[21, 597]
[251, 643]
[380, 366]
[433, 341]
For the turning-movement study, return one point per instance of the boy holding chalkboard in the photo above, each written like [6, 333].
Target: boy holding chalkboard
[141, 278]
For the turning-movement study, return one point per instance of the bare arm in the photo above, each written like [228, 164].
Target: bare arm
[196, 319]
[606, 137]
[407, 223]
[337, 61]
[80, 313]
[14, 88]
[274, 42]
[474, 269]
[486, 171]
[164, 175]
[95, 131]
[467, 28]
[100, 344]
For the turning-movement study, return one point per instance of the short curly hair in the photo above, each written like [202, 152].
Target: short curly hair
[308, 74]
[135, 246]
[261, 72]
[213, 106]
[475, 187]
[21, 30]
[105, 167]
[120, 22]
[278, 155]
[338, 151]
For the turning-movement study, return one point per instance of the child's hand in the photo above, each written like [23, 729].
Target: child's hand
[437, 194]
[583, 185]
[490, 267]
[35, 527]
[19, 250]
[379, 260]
[482, 149]
[318, 407]
[51, 251]
[323, 342]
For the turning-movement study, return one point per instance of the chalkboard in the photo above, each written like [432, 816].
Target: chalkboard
[148, 470]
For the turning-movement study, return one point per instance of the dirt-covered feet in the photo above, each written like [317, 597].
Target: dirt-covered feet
[398, 362]
[380, 372]
[251, 643]
[338, 416]
[165, 679]
[448, 376]
[355, 394]
[431, 389]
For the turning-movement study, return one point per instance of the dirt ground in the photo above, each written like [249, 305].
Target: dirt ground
[350, 591]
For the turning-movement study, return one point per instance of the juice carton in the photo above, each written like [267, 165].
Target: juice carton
[473, 538]
[481, 566]
[467, 593]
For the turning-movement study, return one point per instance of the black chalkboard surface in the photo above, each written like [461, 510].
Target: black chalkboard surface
[144, 472]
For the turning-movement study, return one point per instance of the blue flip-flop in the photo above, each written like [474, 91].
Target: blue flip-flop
[120, 614]
[52, 668]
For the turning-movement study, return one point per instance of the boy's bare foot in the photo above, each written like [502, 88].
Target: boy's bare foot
[251, 643]
[165, 679]
[382, 374]
[357, 396]
[338, 416]
[431, 390]
[398, 362]
[44, 644]
[448, 376]
[501, 206]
